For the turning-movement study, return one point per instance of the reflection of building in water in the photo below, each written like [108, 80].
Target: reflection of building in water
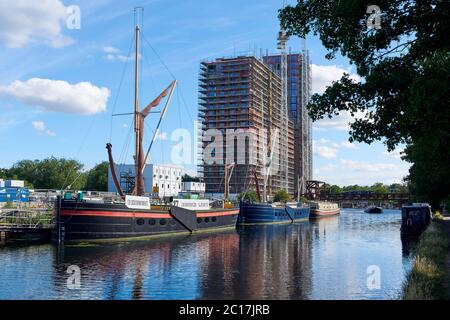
[324, 226]
[266, 262]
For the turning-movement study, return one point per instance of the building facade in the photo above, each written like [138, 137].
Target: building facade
[241, 124]
[299, 93]
[165, 180]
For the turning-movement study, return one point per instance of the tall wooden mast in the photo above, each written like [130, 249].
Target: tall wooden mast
[139, 183]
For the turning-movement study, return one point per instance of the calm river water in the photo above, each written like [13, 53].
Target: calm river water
[331, 258]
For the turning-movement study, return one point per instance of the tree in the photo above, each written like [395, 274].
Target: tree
[379, 188]
[97, 177]
[50, 173]
[403, 94]
[250, 196]
[188, 178]
[281, 196]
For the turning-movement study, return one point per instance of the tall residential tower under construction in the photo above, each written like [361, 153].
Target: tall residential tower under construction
[242, 122]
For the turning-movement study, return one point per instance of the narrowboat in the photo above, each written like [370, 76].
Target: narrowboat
[323, 209]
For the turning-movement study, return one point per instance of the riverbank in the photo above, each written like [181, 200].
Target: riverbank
[429, 278]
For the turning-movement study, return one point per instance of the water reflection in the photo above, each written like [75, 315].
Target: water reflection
[325, 258]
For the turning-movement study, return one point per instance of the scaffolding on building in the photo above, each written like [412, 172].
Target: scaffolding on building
[241, 92]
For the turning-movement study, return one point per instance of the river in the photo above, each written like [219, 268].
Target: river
[351, 256]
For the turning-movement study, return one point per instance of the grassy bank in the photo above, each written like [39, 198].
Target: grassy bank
[427, 277]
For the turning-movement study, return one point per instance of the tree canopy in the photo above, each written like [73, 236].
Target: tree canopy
[54, 173]
[281, 196]
[403, 95]
[249, 195]
[97, 177]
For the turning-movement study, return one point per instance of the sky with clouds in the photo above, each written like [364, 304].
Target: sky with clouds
[60, 85]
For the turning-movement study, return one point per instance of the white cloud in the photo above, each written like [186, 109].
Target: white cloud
[323, 76]
[348, 172]
[341, 122]
[113, 54]
[322, 150]
[41, 128]
[24, 21]
[396, 154]
[162, 136]
[348, 145]
[109, 49]
[59, 96]
[38, 125]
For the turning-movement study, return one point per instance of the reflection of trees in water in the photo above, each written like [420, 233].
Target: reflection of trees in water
[409, 242]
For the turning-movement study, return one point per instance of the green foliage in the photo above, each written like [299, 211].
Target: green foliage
[425, 281]
[403, 94]
[188, 178]
[8, 205]
[376, 188]
[303, 199]
[97, 177]
[50, 173]
[281, 196]
[249, 195]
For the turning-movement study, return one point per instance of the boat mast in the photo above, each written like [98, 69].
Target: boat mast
[138, 188]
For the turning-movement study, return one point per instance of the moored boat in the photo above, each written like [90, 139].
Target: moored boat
[323, 209]
[132, 215]
[374, 209]
[252, 213]
[86, 220]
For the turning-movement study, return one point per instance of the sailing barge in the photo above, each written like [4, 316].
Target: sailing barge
[133, 216]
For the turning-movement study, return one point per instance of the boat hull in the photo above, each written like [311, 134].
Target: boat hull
[376, 210]
[100, 222]
[254, 213]
[317, 213]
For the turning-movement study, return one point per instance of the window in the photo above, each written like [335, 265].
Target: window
[162, 222]
[151, 222]
[140, 221]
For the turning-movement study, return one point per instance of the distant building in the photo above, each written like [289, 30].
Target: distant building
[165, 180]
[193, 187]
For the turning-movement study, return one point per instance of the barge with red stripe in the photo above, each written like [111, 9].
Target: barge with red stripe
[82, 220]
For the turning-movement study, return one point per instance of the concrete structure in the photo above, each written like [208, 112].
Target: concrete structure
[242, 93]
[14, 183]
[298, 95]
[193, 187]
[164, 179]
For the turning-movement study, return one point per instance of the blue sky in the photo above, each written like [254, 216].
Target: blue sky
[66, 110]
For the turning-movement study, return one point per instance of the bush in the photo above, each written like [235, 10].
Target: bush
[281, 196]
[250, 196]
[425, 280]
